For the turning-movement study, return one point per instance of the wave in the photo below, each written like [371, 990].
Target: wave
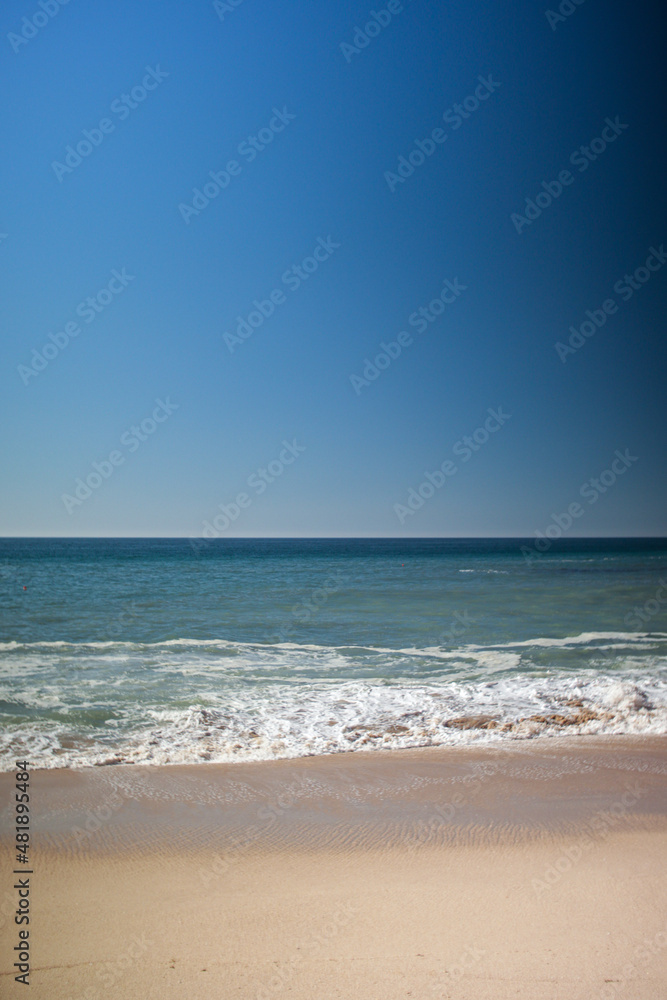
[582, 638]
[585, 638]
[494, 572]
[288, 720]
[186, 700]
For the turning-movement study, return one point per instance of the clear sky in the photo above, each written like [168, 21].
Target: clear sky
[333, 194]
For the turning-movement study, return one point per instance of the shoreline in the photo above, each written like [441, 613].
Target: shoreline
[316, 699]
[469, 873]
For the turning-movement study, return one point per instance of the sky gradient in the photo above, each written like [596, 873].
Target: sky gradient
[361, 176]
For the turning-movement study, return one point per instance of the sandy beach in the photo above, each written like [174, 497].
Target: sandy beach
[535, 869]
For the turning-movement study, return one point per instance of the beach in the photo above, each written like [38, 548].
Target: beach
[531, 869]
[335, 768]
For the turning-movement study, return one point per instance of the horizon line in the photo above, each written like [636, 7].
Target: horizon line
[327, 538]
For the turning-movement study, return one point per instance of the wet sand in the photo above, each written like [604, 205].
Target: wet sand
[532, 869]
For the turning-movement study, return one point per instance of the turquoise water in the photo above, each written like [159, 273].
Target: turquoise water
[155, 650]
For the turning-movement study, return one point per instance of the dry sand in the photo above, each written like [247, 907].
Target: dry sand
[536, 870]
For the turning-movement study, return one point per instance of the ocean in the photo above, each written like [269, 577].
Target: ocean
[164, 651]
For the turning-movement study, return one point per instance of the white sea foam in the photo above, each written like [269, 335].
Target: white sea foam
[288, 721]
[630, 638]
[493, 572]
[179, 701]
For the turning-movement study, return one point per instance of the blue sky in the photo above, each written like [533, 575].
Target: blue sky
[332, 123]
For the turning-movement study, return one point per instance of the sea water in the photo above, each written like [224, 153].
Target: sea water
[169, 651]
